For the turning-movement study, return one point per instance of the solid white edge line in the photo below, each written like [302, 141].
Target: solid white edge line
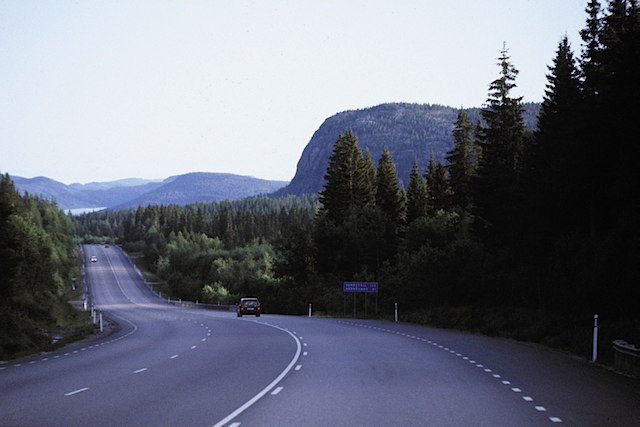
[80, 390]
[268, 388]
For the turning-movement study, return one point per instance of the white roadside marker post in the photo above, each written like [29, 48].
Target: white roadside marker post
[594, 356]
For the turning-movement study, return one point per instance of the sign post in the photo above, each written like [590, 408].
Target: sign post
[363, 287]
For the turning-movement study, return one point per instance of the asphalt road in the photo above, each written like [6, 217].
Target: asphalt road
[167, 365]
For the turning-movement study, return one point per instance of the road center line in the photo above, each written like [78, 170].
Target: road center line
[268, 388]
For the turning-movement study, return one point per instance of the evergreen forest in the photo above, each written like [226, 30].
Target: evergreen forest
[524, 233]
[38, 269]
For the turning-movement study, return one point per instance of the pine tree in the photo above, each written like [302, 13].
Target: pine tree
[370, 179]
[416, 196]
[387, 196]
[497, 184]
[610, 65]
[620, 97]
[347, 180]
[389, 202]
[438, 189]
[617, 201]
[554, 181]
[591, 61]
[462, 160]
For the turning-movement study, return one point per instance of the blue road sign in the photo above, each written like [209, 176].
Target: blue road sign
[370, 287]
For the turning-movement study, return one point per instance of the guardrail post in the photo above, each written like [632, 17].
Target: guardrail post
[309, 310]
[594, 355]
[395, 312]
[101, 325]
[626, 358]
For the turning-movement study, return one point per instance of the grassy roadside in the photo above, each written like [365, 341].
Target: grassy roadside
[158, 286]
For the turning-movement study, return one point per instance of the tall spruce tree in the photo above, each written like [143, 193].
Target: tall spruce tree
[462, 160]
[389, 201]
[370, 178]
[347, 231]
[497, 184]
[558, 169]
[591, 61]
[620, 98]
[347, 180]
[416, 195]
[617, 203]
[438, 189]
[387, 196]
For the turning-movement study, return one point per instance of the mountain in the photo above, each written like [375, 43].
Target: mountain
[411, 132]
[201, 187]
[133, 192]
[126, 182]
[46, 188]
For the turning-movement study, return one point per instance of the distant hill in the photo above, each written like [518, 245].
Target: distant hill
[46, 188]
[133, 192]
[411, 132]
[201, 187]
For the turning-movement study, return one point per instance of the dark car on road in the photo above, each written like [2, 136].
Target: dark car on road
[249, 306]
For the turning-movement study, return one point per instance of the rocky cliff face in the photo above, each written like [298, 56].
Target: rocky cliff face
[411, 132]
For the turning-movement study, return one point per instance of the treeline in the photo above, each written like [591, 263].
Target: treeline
[541, 220]
[210, 252]
[544, 219]
[36, 271]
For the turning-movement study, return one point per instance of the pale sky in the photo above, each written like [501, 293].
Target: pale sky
[99, 90]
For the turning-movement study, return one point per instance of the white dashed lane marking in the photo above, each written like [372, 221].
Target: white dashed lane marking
[80, 390]
[463, 357]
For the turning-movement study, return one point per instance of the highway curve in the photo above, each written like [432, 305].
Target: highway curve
[168, 365]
